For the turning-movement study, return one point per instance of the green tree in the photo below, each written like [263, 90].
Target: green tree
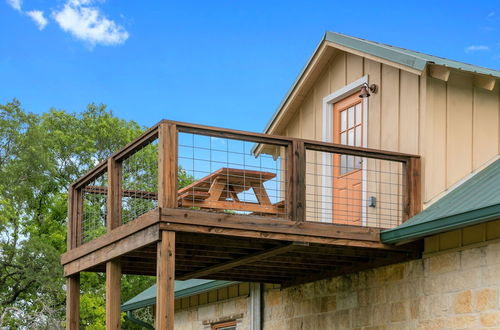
[40, 155]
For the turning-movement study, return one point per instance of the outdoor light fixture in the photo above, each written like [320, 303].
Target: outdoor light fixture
[366, 89]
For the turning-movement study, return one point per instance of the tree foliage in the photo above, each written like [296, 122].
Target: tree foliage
[40, 155]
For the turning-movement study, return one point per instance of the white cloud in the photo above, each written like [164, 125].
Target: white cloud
[478, 48]
[491, 14]
[87, 23]
[38, 18]
[16, 4]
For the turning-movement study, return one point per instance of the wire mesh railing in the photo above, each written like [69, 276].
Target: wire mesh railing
[228, 175]
[235, 172]
[139, 182]
[354, 190]
[94, 208]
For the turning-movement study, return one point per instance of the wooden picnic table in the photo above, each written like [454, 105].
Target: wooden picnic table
[217, 191]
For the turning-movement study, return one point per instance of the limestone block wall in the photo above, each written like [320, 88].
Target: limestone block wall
[453, 289]
[202, 317]
[456, 285]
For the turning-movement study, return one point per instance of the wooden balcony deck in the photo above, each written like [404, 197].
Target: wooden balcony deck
[172, 240]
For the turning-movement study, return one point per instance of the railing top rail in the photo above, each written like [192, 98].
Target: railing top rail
[139, 142]
[231, 133]
[357, 151]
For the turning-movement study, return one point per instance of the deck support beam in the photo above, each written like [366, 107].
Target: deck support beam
[113, 267]
[165, 277]
[113, 300]
[242, 261]
[73, 302]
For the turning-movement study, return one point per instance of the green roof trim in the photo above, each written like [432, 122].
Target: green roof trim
[475, 201]
[409, 58]
[182, 289]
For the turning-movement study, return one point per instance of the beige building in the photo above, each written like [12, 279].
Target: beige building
[445, 111]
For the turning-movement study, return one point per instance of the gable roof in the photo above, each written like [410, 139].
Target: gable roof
[474, 201]
[412, 60]
[182, 289]
[406, 57]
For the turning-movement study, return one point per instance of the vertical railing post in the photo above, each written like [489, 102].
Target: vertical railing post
[70, 235]
[167, 165]
[413, 186]
[296, 175]
[73, 282]
[167, 198]
[114, 205]
[113, 267]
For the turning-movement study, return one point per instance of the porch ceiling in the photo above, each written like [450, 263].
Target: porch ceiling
[220, 257]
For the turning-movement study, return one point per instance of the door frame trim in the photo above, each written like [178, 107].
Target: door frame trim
[327, 136]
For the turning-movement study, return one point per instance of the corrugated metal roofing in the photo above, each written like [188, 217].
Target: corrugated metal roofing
[182, 289]
[474, 201]
[406, 57]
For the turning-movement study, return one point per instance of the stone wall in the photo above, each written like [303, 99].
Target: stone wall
[456, 285]
[202, 317]
[455, 289]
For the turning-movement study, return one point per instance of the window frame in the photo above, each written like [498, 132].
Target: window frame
[224, 324]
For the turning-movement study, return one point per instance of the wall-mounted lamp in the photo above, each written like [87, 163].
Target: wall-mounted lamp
[366, 89]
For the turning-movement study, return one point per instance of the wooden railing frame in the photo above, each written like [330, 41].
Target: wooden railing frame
[167, 131]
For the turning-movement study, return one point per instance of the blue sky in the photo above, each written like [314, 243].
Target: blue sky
[225, 63]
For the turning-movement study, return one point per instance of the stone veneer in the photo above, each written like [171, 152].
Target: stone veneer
[202, 317]
[455, 289]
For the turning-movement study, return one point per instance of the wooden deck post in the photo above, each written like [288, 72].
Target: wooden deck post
[73, 282]
[414, 186]
[298, 178]
[73, 302]
[113, 303]
[113, 268]
[167, 198]
[167, 165]
[165, 276]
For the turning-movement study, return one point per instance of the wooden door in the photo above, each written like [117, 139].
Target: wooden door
[347, 170]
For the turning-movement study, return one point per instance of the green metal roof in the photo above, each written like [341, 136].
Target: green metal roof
[182, 289]
[406, 57]
[410, 58]
[474, 201]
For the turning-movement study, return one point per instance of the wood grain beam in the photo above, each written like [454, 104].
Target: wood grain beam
[167, 165]
[73, 302]
[165, 278]
[241, 261]
[170, 216]
[485, 82]
[113, 300]
[116, 249]
[439, 72]
[147, 219]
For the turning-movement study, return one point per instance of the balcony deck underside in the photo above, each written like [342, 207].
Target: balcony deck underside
[240, 248]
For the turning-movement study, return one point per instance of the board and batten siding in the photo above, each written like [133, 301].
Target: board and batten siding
[453, 125]
[461, 130]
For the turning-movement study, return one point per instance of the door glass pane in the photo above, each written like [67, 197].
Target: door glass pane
[343, 120]
[358, 113]
[350, 163]
[357, 162]
[350, 122]
[358, 136]
[343, 138]
[350, 137]
[343, 163]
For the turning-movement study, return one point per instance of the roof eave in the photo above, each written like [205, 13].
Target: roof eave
[418, 231]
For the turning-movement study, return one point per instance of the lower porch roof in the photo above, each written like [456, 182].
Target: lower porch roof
[474, 201]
